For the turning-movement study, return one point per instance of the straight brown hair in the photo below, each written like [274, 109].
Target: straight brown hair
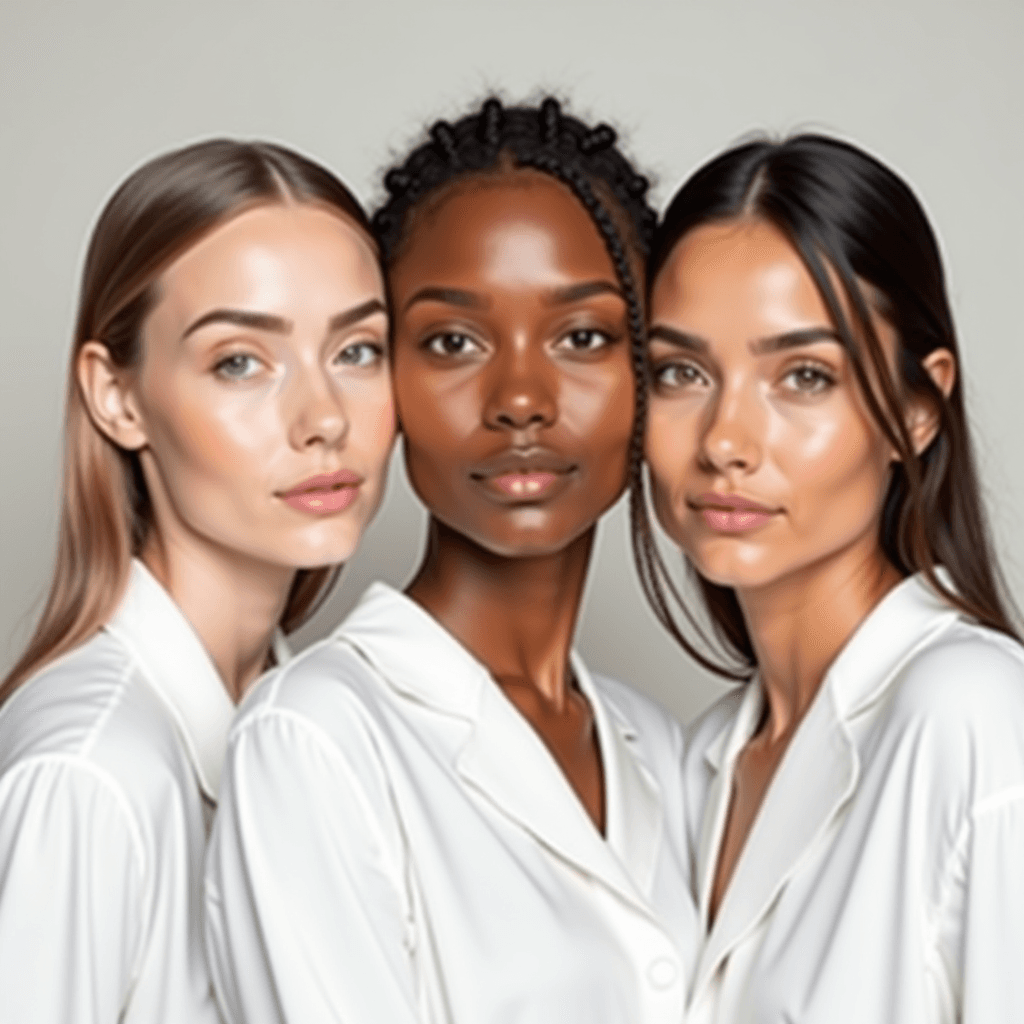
[160, 211]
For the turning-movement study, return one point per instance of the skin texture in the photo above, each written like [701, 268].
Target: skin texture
[515, 397]
[755, 399]
[263, 366]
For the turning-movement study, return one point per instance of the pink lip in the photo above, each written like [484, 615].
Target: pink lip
[326, 493]
[525, 474]
[732, 513]
[524, 485]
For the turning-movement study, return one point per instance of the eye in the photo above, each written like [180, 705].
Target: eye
[360, 354]
[237, 366]
[585, 339]
[451, 343]
[674, 375]
[809, 379]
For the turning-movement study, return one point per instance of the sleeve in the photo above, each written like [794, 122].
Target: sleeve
[306, 915]
[992, 945]
[70, 895]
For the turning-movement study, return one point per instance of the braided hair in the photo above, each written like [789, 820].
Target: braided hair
[497, 140]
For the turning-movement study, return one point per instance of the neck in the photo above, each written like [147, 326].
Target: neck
[233, 604]
[798, 626]
[515, 615]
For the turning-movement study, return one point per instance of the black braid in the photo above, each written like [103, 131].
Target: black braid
[498, 139]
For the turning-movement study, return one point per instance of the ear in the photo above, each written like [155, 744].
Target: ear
[922, 414]
[106, 389]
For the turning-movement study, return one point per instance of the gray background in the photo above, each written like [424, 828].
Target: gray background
[88, 90]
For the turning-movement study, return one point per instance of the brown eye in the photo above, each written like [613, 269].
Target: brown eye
[585, 339]
[809, 379]
[451, 343]
[675, 375]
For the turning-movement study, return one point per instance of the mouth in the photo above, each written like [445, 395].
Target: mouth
[325, 493]
[524, 476]
[732, 513]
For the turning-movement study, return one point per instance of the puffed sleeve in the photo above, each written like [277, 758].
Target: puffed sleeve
[307, 918]
[70, 894]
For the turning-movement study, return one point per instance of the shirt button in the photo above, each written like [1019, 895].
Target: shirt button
[662, 973]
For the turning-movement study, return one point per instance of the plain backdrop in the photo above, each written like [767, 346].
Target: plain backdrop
[88, 90]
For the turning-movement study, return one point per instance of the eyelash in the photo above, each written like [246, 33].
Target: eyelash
[660, 371]
[818, 377]
[375, 349]
[221, 367]
[606, 339]
[436, 344]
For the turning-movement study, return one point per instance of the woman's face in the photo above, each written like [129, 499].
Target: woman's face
[512, 365]
[764, 460]
[263, 394]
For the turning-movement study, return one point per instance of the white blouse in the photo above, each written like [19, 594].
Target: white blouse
[396, 844]
[883, 878]
[109, 764]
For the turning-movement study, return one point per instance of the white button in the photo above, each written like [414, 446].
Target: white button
[662, 973]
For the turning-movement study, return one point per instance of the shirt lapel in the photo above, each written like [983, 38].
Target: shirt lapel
[173, 660]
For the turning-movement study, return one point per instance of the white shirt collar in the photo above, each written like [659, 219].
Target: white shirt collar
[900, 623]
[172, 658]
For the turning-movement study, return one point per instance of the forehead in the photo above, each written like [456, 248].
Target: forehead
[740, 271]
[523, 220]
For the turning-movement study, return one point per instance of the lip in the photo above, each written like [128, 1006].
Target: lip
[731, 513]
[324, 493]
[524, 475]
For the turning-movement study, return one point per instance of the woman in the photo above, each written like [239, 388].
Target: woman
[439, 814]
[856, 811]
[228, 424]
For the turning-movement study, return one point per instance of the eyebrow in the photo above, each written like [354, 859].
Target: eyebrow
[449, 296]
[762, 346]
[584, 290]
[471, 300]
[278, 324]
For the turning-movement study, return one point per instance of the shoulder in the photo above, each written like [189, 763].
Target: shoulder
[958, 702]
[91, 720]
[325, 707]
[965, 674]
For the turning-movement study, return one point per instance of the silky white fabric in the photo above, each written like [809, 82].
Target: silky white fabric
[109, 765]
[395, 844]
[883, 878]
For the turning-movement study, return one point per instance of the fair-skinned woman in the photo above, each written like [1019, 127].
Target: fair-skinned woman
[228, 427]
[440, 815]
[857, 809]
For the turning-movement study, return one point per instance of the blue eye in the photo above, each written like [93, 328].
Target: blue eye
[237, 366]
[451, 343]
[360, 354]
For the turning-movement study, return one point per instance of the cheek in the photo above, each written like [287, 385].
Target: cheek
[371, 412]
[212, 435]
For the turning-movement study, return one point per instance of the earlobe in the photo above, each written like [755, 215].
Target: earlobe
[108, 397]
[922, 413]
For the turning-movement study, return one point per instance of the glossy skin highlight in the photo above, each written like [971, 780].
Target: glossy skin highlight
[766, 465]
[291, 383]
[512, 373]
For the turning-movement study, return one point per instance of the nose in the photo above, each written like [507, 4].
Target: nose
[733, 435]
[315, 410]
[521, 390]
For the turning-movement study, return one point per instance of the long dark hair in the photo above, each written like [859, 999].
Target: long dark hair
[159, 211]
[496, 140]
[844, 211]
